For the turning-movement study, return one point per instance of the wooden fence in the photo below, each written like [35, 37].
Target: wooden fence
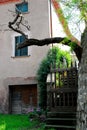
[62, 92]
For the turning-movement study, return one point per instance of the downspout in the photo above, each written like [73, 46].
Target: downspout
[51, 30]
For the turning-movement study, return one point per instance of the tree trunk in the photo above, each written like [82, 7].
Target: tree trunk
[82, 87]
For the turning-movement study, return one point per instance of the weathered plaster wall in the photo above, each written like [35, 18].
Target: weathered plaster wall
[16, 69]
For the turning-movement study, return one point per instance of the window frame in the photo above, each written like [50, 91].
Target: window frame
[21, 4]
[13, 46]
[20, 52]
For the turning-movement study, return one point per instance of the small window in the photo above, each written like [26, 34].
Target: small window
[22, 7]
[22, 51]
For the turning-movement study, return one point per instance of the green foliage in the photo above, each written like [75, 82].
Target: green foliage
[75, 13]
[76, 4]
[19, 122]
[14, 122]
[71, 44]
[37, 114]
[54, 56]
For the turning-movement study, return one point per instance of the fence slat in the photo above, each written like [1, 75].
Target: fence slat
[64, 91]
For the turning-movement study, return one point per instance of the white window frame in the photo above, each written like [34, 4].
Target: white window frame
[13, 44]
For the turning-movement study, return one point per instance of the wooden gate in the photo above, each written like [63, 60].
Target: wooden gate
[62, 92]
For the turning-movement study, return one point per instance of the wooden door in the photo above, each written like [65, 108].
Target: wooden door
[22, 97]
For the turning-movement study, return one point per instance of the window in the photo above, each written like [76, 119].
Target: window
[22, 7]
[22, 51]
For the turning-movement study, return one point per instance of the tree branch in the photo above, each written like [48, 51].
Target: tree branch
[42, 42]
[10, 24]
[29, 42]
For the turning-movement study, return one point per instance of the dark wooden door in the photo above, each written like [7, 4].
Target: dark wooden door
[22, 97]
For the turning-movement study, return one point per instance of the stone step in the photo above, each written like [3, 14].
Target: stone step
[66, 119]
[60, 127]
[62, 114]
[61, 121]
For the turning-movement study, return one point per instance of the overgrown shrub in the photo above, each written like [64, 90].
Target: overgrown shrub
[37, 114]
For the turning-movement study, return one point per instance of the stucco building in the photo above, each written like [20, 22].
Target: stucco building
[18, 68]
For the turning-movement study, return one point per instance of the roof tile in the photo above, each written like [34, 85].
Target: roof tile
[7, 1]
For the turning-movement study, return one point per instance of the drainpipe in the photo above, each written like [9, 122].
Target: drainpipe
[51, 31]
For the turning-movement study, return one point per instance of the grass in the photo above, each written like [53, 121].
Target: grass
[18, 122]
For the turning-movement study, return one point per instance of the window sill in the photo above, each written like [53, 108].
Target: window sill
[20, 56]
[27, 12]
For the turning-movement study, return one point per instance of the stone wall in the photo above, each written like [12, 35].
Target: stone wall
[82, 90]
